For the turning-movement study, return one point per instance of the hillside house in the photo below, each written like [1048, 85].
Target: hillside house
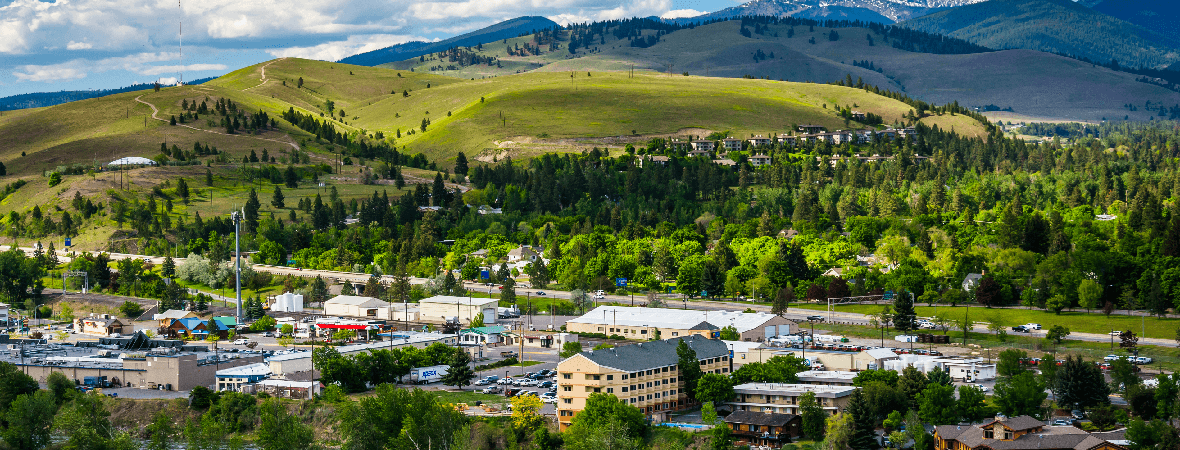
[724, 162]
[657, 160]
[731, 144]
[786, 139]
[523, 253]
[708, 146]
[1024, 432]
[759, 160]
[811, 128]
[759, 140]
[858, 116]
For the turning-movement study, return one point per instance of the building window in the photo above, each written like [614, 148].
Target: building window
[597, 389]
[566, 376]
[610, 377]
[624, 388]
[567, 388]
[987, 434]
[665, 369]
[648, 384]
[643, 332]
[675, 333]
[610, 390]
[624, 377]
[567, 400]
[599, 328]
[597, 377]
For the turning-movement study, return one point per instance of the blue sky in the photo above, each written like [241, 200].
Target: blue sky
[101, 44]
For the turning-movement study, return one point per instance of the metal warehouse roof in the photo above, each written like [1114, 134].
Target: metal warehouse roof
[680, 319]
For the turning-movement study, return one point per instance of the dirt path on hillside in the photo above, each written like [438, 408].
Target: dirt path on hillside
[264, 80]
[156, 111]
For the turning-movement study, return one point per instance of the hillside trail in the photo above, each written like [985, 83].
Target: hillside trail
[263, 80]
[156, 111]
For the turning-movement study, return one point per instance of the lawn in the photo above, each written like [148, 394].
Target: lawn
[1076, 321]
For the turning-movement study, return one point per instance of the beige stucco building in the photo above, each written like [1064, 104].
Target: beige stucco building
[441, 307]
[830, 359]
[645, 375]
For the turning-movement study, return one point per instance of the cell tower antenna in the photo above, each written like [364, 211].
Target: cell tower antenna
[180, 80]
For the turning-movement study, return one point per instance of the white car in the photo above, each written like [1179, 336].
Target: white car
[241, 341]
[1116, 333]
[1143, 360]
[1033, 326]
[981, 387]
[528, 382]
[1112, 358]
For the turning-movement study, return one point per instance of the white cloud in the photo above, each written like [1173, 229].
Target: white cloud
[337, 50]
[140, 63]
[678, 13]
[167, 81]
[34, 73]
[79, 46]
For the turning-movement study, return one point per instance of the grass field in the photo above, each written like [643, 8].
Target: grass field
[541, 111]
[1076, 321]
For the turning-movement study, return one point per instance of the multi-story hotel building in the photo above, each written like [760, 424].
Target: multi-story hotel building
[645, 375]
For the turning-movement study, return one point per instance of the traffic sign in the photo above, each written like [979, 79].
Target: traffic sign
[484, 274]
[620, 282]
[67, 242]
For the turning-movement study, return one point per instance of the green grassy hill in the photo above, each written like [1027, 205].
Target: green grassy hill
[1057, 26]
[542, 110]
[1032, 83]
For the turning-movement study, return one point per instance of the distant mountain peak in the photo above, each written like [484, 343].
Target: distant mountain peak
[507, 29]
[892, 10]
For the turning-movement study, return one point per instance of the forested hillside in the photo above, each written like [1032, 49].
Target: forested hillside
[1054, 26]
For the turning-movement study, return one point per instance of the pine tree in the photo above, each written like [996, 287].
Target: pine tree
[276, 200]
[291, 178]
[168, 269]
[460, 164]
[863, 420]
[208, 177]
[904, 316]
[250, 214]
[182, 190]
[690, 367]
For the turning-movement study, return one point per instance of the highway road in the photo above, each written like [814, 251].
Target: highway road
[672, 301]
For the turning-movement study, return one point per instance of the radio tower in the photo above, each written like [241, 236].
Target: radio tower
[180, 80]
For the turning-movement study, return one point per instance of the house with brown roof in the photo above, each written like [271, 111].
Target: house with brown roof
[656, 159]
[763, 429]
[759, 160]
[1020, 433]
[786, 139]
[102, 325]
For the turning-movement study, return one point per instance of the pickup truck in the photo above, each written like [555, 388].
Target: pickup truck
[816, 318]
[1021, 328]
[508, 354]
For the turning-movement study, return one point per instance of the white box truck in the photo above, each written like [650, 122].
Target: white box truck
[424, 375]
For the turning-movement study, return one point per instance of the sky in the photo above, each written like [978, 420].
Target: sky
[48, 46]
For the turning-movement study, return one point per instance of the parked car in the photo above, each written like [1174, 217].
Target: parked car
[241, 341]
[492, 390]
[1061, 423]
[1021, 329]
[1111, 358]
[1033, 326]
[481, 382]
[817, 318]
[546, 384]
[1142, 360]
[540, 292]
[981, 387]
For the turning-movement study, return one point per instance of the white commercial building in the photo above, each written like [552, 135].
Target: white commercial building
[4, 314]
[959, 368]
[356, 306]
[233, 379]
[441, 308]
[288, 302]
[637, 322]
[826, 377]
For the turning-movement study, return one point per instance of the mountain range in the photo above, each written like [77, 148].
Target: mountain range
[882, 11]
[507, 29]
[1056, 26]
